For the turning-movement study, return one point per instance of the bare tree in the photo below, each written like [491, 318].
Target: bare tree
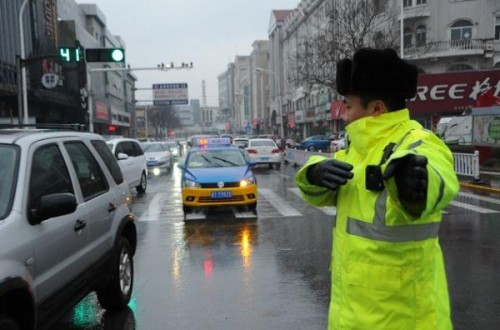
[163, 117]
[349, 26]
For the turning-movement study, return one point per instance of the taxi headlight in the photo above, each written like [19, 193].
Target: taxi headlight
[247, 182]
[191, 184]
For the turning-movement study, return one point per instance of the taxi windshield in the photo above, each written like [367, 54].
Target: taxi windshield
[215, 158]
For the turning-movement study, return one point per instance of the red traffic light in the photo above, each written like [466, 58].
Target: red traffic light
[112, 128]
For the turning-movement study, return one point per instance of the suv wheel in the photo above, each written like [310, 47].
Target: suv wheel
[141, 188]
[311, 148]
[6, 323]
[116, 295]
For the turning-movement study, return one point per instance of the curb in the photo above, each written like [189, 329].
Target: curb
[480, 187]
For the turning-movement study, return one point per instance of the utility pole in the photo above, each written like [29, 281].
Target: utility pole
[24, 85]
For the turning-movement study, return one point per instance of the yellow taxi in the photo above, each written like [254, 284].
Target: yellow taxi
[215, 173]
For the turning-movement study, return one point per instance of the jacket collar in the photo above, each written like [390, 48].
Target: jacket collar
[368, 131]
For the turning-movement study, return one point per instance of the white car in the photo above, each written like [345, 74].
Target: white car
[241, 142]
[132, 162]
[263, 151]
[174, 148]
[158, 157]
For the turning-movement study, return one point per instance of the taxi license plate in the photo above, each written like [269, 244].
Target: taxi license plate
[221, 194]
[264, 158]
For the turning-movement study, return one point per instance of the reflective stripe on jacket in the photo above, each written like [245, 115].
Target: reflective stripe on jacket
[387, 266]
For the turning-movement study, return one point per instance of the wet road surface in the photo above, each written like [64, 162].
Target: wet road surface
[232, 270]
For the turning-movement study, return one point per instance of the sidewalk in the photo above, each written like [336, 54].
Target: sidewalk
[489, 182]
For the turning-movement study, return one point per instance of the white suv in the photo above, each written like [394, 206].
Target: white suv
[65, 226]
[132, 162]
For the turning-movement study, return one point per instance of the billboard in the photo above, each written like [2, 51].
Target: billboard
[452, 92]
[170, 94]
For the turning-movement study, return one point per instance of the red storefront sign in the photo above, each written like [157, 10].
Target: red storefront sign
[337, 108]
[101, 111]
[452, 92]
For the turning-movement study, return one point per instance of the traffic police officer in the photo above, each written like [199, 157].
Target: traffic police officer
[390, 185]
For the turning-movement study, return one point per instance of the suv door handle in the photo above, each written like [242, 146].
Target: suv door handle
[80, 224]
[111, 207]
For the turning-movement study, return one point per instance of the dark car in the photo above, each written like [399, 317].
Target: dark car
[316, 142]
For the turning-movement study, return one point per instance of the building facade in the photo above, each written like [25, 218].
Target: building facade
[57, 90]
[259, 66]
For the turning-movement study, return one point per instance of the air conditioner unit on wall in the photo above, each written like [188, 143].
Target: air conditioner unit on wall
[489, 45]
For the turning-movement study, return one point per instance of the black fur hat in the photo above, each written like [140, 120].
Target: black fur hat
[377, 71]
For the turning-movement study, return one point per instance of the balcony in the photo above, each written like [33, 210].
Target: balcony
[449, 48]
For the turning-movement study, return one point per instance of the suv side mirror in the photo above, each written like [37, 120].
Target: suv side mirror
[54, 205]
[122, 156]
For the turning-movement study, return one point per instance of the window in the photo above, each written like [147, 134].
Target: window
[407, 38]
[137, 149]
[125, 148]
[461, 30]
[497, 28]
[49, 175]
[9, 160]
[379, 6]
[420, 35]
[407, 3]
[90, 176]
[460, 67]
[421, 2]
[110, 161]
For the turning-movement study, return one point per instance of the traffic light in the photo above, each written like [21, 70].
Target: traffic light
[116, 55]
[112, 128]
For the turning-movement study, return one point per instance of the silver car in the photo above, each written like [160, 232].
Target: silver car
[65, 226]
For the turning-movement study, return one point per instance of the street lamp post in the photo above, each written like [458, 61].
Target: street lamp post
[280, 109]
[24, 85]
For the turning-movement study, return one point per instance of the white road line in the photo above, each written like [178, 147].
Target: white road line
[279, 203]
[196, 216]
[329, 210]
[473, 207]
[244, 215]
[284, 176]
[153, 211]
[481, 198]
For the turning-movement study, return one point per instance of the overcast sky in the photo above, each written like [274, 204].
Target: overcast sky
[208, 33]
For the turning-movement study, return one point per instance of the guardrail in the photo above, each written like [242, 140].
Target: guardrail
[465, 164]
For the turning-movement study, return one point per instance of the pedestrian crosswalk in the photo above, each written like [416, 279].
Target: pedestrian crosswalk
[276, 203]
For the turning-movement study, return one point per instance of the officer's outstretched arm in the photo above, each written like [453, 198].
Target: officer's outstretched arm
[320, 178]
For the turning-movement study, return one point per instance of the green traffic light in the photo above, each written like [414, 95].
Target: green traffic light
[118, 55]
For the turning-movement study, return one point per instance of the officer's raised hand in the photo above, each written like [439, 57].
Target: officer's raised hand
[329, 173]
[410, 173]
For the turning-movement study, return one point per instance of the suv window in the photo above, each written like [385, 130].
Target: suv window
[9, 157]
[137, 149]
[90, 176]
[49, 175]
[109, 160]
[126, 148]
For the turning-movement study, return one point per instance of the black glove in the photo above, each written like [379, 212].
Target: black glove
[329, 173]
[410, 173]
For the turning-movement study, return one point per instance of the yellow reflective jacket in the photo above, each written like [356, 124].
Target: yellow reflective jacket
[387, 266]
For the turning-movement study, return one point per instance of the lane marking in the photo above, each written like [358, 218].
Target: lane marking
[481, 198]
[475, 208]
[329, 210]
[279, 203]
[153, 211]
